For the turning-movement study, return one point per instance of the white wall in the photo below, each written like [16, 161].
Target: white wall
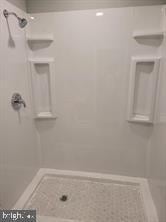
[92, 59]
[157, 169]
[37, 6]
[18, 145]
[156, 159]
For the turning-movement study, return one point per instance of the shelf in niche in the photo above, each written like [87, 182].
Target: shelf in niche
[40, 38]
[43, 82]
[148, 34]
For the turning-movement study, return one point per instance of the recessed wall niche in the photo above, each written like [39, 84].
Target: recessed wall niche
[143, 89]
[42, 73]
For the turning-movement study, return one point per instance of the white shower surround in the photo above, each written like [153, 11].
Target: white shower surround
[141, 182]
[92, 64]
[13, 168]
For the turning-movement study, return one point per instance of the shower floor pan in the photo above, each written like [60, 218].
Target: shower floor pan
[67, 196]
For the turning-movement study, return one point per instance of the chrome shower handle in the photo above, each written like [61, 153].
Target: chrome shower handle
[17, 101]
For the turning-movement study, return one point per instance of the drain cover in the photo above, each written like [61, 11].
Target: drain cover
[63, 198]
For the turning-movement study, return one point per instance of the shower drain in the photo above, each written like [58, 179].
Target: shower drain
[63, 198]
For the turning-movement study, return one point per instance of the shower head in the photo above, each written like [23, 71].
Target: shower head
[21, 21]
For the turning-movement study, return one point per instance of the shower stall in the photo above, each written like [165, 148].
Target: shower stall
[82, 109]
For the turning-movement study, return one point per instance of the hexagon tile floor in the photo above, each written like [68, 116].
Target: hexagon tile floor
[87, 200]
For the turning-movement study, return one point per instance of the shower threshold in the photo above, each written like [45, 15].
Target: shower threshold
[69, 196]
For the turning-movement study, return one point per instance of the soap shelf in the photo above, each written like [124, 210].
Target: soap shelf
[43, 83]
[41, 60]
[148, 34]
[45, 115]
[36, 38]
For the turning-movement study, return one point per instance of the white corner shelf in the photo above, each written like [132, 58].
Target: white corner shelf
[143, 89]
[41, 60]
[41, 38]
[148, 34]
[45, 115]
[43, 83]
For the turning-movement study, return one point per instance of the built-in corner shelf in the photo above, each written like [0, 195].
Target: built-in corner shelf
[43, 83]
[45, 115]
[46, 60]
[148, 34]
[40, 38]
[143, 89]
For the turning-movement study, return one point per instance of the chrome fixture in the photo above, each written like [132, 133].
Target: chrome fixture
[17, 101]
[21, 21]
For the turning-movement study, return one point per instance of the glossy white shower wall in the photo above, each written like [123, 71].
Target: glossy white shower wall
[92, 55]
[18, 143]
[156, 158]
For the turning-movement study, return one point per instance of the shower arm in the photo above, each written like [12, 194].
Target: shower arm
[21, 21]
[6, 14]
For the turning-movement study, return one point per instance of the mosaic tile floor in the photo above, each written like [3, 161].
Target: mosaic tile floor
[87, 201]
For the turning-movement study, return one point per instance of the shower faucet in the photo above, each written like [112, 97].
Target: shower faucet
[17, 101]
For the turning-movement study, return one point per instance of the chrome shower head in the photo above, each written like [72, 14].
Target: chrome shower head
[21, 21]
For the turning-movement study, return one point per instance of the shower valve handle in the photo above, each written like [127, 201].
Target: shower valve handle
[17, 101]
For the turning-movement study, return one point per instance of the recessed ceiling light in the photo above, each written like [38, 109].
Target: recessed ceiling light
[32, 17]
